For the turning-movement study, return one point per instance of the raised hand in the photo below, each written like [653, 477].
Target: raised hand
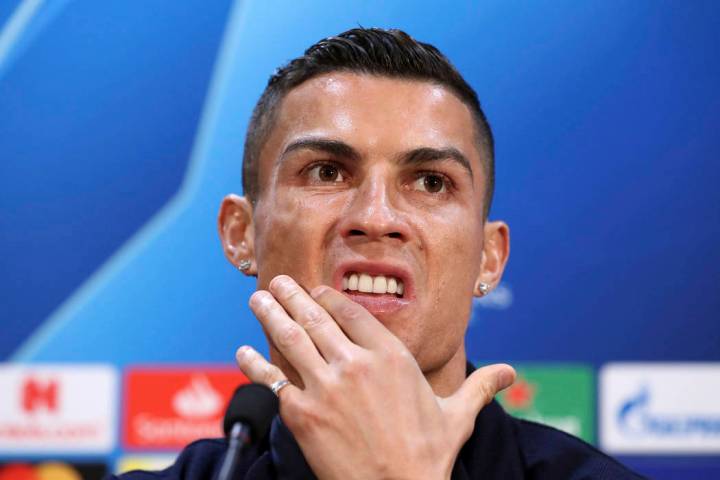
[365, 410]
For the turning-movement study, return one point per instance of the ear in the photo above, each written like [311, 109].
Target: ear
[237, 233]
[496, 250]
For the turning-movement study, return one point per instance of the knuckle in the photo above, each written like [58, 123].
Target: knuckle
[290, 294]
[332, 389]
[344, 357]
[487, 392]
[270, 373]
[291, 413]
[351, 312]
[312, 318]
[397, 357]
[300, 417]
[355, 365]
[289, 335]
[402, 355]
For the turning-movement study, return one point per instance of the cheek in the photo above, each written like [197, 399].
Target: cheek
[288, 240]
[461, 270]
[454, 261]
[455, 253]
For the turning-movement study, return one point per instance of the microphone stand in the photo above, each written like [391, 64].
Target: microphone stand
[239, 437]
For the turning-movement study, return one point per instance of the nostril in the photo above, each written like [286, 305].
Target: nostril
[395, 235]
[356, 232]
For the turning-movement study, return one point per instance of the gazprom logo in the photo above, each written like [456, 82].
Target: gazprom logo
[660, 408]
[635, 418]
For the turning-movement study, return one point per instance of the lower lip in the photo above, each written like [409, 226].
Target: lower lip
[377, 304]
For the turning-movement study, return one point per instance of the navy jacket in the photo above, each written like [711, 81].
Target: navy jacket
[501, 447]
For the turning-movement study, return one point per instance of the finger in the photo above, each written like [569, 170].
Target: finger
[357, 323]
[323, 330]
[288, 337]
[259, 370]
[479, 389]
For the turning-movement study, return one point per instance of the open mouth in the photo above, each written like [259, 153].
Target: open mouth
[372, 284]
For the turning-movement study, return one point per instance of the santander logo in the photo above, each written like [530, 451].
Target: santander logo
[198, 399]
[169, 407]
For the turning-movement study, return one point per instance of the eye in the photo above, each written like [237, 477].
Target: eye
[431, 183]
[326, 173]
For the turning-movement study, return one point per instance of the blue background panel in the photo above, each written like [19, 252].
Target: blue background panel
[98, 118]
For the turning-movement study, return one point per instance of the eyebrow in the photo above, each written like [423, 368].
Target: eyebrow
[332, 147]
[415, 156]
[431, 154]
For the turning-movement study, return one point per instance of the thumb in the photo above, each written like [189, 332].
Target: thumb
[479, 389]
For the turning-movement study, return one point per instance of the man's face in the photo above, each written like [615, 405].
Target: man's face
[371, 176]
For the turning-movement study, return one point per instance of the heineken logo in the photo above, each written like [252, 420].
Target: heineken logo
[561, 396]
[520, 395]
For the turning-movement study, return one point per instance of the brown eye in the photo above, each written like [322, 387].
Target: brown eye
[326, 173]
[430, 183]
[433, 183]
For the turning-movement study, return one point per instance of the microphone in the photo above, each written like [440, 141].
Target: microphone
[247, 421]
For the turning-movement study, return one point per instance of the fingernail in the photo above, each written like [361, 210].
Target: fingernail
[505, 378]
[281, 281]
[259, 298]
[241, 353]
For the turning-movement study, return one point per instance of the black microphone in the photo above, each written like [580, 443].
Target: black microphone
[247, 421]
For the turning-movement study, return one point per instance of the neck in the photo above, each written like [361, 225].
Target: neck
[448, 377]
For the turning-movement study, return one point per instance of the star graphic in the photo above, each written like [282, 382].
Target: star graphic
[520, 395]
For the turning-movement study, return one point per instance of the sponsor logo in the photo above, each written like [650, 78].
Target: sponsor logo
[660, 408]
[57, 408]
[37, 394]
[143, 462]
[635, 418]
[168, 408]
[198, 399]
[521, 395]
[52, 471]
[559, 396]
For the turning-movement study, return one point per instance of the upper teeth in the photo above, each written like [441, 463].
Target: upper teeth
[372, 284]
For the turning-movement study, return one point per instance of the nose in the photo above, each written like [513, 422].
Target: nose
[371, 213]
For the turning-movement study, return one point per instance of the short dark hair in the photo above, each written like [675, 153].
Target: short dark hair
[372, 51]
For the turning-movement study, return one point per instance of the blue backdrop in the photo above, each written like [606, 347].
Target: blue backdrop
[122, 126]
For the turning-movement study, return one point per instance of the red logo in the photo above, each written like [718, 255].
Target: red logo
[171, 407]
[38, 394]
[58, 408]
[520, 395]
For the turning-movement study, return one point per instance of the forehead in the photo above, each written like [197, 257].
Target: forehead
[375, 115]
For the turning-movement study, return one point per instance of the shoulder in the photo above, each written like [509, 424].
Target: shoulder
[551, 453]
[200, 459]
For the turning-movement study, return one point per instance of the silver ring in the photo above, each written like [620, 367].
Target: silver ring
[277, 386]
